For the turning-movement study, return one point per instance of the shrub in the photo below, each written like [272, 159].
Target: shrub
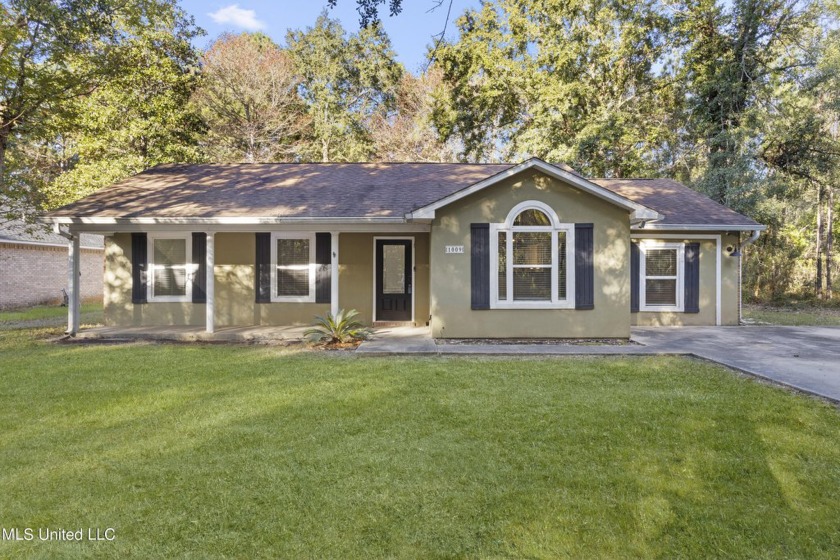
[339, 329]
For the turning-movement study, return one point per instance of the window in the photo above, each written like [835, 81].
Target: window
[170, 267]
[532, 256]
[661, 273]
[293, 267]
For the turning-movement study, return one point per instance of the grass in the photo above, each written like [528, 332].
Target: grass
[209, 451]
[48, 315]
[798, 314]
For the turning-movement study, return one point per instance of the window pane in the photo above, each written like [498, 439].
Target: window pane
[393, 269]
[170, 281]
[532, 284]
[661, 292]
[170, 252]
[292, 282]
[532, 218]
[169, 276]
[661, 262]
[293, 267]
[561, 265]
[503, 265]
[532, 248]
[292, 251]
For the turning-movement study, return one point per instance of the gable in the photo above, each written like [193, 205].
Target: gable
[493, 203]
[637, 211]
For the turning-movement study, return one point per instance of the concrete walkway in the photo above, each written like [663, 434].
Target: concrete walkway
[194, 334]
[804, 358]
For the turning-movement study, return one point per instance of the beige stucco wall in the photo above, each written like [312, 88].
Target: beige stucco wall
[234, 285]
[119, 311]
[708, 286]
[452, 316]
[355, 284]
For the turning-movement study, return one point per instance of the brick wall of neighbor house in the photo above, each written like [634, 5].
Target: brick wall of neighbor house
[35, 274]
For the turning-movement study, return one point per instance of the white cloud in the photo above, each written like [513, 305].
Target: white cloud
[236, 16]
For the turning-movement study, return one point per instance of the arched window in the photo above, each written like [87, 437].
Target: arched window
[533, 259]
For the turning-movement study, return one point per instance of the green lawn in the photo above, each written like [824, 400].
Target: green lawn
[48, 315]
[794, 314]
[246, 452]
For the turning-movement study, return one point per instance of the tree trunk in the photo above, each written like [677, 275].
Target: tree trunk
[829, 243]
[819, 241]
[5, 132]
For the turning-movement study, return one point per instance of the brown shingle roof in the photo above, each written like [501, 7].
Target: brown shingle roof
[676, 202]
[340, 190]
[344, 190]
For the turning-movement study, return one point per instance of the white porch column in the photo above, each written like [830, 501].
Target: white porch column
[210, 287]
[73, 288]
[334, 273]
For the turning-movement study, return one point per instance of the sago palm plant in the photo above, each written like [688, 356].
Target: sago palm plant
[339, 329]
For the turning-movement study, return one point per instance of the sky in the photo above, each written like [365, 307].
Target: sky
[410, 31]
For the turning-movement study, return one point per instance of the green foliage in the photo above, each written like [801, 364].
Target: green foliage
[344, 82]
[339, 329]
[116, 96]
[565, 81]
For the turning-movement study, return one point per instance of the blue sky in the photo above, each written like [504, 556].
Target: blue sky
[410, 32]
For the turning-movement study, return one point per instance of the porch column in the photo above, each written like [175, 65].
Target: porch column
[73, 288]
[210, 306]
[334, 273]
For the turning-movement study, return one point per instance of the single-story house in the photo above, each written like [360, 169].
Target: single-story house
[471, 250]
[33, 264]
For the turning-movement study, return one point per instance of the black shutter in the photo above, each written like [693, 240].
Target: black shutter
[262, 274]
[323, 269]
[199, 260]
[692, 278]
[634, 277]
[480, 265]
[139, 267]
[584, 271]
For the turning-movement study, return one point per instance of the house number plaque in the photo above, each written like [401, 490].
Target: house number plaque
[454, 249]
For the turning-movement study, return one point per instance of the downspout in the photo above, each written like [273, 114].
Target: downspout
[749, 241]
[65, 234]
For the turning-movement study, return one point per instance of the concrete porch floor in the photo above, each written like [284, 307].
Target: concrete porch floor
[195, 334]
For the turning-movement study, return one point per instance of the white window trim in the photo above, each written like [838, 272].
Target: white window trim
[275, 297]
[555, 227]
[189, 266]
[680, 278]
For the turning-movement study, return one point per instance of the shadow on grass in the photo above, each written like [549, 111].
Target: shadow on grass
[251, 452]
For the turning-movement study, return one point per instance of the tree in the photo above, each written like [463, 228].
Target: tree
[248, 98]
[734, 59]
[565, 81]
[54, 53]
[407, 133]
[345, 81]
[138, 119]
[756, 113]
[369, 9]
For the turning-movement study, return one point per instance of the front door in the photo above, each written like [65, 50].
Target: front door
[393, 280]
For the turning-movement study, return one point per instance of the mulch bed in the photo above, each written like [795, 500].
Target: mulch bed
[546, 341]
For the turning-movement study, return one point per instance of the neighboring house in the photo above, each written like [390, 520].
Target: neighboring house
[528, 250]
[33, 265]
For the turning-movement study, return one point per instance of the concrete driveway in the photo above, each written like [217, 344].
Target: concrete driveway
[806, 358]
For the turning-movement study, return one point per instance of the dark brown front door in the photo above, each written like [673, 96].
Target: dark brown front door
[393, 280]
